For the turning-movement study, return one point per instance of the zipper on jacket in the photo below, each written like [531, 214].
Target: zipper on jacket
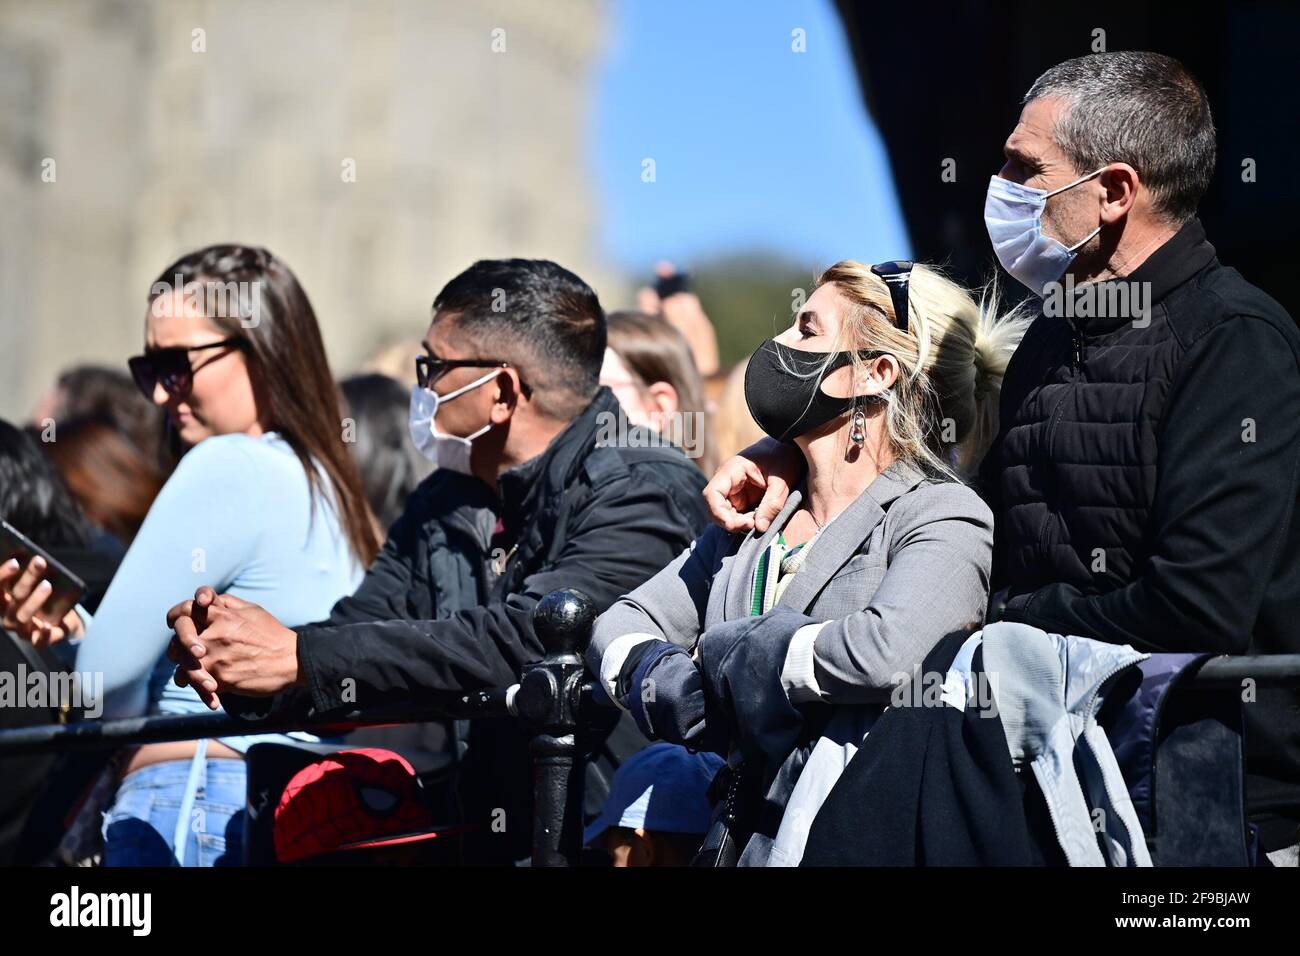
[1076, 343]
[1089, 711]
[1054, 419]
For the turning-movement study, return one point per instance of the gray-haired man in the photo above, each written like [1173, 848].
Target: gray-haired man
[1145, 478]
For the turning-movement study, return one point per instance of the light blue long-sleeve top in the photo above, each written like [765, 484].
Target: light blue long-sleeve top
[236, 515]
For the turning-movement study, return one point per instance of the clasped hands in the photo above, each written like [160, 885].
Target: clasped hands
[224, 644]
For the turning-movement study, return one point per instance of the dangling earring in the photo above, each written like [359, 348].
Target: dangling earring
[858, 433]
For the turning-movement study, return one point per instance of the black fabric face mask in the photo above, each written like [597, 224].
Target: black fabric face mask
[783, 389]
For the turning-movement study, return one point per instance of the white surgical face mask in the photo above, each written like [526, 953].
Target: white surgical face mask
[445, 451]
[1013, 215]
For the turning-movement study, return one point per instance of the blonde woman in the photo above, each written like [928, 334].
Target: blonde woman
[887, 377]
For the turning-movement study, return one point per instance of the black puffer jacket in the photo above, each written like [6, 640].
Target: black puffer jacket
[1145, 485]
[434, 615]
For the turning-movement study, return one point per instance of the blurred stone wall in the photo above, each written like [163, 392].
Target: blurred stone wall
[132, 131]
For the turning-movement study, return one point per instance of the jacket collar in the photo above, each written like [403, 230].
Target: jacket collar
[837, 543]
[1180, 258]
[526, 489]
[1185, 254]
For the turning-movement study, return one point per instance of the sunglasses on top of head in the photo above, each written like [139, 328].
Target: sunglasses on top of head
[171, 367]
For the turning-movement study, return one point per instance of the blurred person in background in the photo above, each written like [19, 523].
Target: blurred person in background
[671, 299]
[391, 468]
[95, 563]
[96, 393]
[266, 504]
[113, 482]
[649, 368]
[110, 447]
[390, 464]
[395, 360]
[734, 427]
[33, 500]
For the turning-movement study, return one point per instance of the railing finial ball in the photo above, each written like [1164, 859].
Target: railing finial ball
[563, 620]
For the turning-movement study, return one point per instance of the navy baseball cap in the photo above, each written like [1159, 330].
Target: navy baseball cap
[663, 787]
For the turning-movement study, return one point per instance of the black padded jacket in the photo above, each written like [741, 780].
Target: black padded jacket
[1145, 481]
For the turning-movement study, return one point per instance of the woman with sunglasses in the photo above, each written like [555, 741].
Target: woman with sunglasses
[266, 504]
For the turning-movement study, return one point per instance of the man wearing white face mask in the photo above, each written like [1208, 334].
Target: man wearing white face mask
[1147, 472]
[1013, 214]
[452, 452]
[525, 499]
[1146, 475]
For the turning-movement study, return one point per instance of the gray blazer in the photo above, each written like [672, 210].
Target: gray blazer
[903, 565]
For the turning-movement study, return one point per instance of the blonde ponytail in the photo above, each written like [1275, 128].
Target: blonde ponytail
[941, 413]
[997, 335]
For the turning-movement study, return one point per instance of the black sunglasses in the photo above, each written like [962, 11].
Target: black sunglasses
[171, 367]
[430, 368]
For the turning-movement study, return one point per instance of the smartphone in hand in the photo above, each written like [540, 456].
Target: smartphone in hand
[672, 284]
[68, 588]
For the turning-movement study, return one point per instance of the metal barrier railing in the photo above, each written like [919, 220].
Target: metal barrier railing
[1266, 670]
[547, 701]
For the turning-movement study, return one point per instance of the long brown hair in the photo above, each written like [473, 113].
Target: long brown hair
[112, 480]
[263, 305]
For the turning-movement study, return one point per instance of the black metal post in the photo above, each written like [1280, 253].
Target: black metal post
[547, 703]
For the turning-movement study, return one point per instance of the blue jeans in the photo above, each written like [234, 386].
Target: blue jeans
[140, 827]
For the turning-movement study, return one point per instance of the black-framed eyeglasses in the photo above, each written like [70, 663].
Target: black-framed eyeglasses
[430, 368]
[171, 367]
[896, 274]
